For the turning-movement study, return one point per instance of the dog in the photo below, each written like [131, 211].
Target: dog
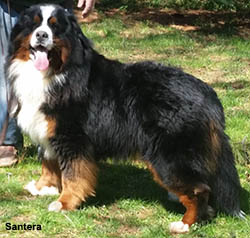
[81, 107]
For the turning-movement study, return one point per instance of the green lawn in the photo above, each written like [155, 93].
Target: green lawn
[128, 203]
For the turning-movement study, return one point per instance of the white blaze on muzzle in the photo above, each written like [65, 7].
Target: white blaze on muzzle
[42, 41]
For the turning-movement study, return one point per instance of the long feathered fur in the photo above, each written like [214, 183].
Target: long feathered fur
[103, 108]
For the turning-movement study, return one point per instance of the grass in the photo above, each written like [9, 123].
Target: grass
[128, 203]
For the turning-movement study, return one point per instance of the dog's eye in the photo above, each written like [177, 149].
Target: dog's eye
[57, 25]
[53, 21]
[37, 19]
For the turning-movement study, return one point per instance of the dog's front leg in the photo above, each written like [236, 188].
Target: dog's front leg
[78, 183]
[50, 181]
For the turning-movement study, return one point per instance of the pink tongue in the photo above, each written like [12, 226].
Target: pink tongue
[41, 60]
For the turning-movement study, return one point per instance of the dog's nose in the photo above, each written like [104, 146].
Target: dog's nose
[42, 35]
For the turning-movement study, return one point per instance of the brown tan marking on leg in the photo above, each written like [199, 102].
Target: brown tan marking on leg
[49, 182]
[193, 203]
[51, 175]
[197, 209]
[190, 216]
[78, 183]
[156, 177]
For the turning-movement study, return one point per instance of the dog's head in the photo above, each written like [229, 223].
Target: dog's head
[49, 36]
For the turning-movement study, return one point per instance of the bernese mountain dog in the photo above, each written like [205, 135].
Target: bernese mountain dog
[81, 107]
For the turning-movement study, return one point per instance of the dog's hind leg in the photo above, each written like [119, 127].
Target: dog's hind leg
[78, 183]
[194, 198]
[50, 180]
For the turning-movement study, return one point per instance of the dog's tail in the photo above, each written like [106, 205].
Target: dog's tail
[225, 185]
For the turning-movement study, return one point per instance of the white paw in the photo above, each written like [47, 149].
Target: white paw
[49, 191]
[31, 187]
[178, 227]
[55, 206]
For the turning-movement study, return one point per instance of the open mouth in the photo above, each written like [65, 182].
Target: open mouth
[39, 56]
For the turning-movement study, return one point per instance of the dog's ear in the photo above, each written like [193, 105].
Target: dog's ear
[85, 42]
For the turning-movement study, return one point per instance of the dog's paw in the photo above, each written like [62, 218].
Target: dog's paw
[178, 227]
[48, 191]
[55, 206]
[31, 187]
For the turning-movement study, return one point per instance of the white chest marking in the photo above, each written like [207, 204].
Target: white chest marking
[30, 88]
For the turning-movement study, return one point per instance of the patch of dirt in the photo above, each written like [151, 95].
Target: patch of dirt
[23, 219]
[145, 213]
[91, 18]
[209, 76]
[135, 31]
[128, 230]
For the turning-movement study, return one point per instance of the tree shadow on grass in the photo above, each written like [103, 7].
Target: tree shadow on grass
[118, 181]
[202, 21]
[225, 24]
